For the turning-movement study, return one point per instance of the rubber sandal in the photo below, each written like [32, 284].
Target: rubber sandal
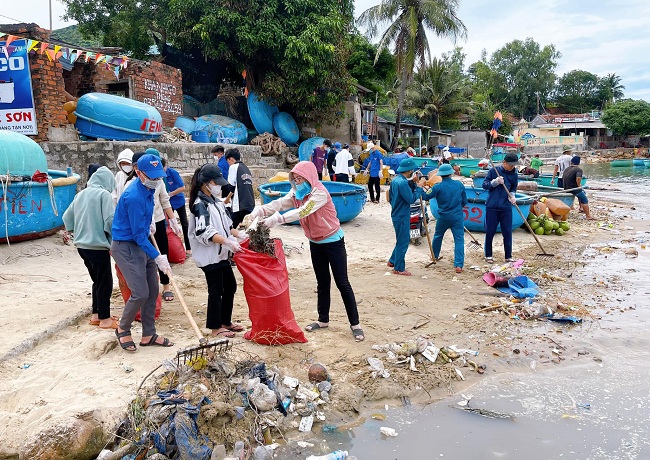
[227, 333]
[459, 269]
[440, 258]
[235, 327]
[168, 296]
[112, 326]
[126, 346]
[390, 264]
[404, 273]
[314, 327]
[96, 321]
[489, 260]
[152, 342]
[358, 334]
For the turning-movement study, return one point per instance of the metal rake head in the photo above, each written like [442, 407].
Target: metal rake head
[474, 245]
[207, 350]
[544, 256]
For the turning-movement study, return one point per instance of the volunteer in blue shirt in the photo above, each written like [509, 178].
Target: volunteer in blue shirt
[498, 206]
[403, 193]
[176, 192]
[375, 165]
[451, 198]
[136, 257]
[220, 160]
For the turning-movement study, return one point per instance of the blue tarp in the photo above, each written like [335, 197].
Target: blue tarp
[520, 287]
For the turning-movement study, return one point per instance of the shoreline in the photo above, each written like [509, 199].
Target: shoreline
[77, 372]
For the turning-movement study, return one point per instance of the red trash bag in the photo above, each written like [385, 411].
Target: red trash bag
[176, 252]
[126, 293]
[266, 286]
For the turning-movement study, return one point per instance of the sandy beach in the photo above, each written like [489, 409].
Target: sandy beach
[56, 368]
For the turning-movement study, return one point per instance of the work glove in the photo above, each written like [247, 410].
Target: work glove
[163, 264]
[152, 228]
[257, 212]
[240, 237]
[496, 182]
[512, 198]
[274, 220]
[175, 227]
[232, 244]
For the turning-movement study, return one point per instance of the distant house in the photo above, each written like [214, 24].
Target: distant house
[586, 128]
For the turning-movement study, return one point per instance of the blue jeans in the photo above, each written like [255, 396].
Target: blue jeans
[402, 236]
[494, 217]
[582, 197]
[458, 231]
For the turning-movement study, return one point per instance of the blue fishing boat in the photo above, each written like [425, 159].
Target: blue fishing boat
[474, 211]
[424, 164]
[469, 170]
[646, 163]
[566, 198]
[307, 146]
[116, 118]
[348, 198]
[222, 130]
[286, 127]
[543, 179]
[638, 162]
[620, 163]
[261, 113]
[465, 161]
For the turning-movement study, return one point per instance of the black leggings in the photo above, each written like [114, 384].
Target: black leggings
[238, 217]
[98, 263]
[324, 256]
[222, 286]
[163, 245]
[373, 182]
[182, 216]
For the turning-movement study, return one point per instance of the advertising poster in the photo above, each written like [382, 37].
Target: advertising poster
[16, 98]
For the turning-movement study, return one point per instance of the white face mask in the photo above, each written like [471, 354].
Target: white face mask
[215, 190]
[126, 168]
[151, 184]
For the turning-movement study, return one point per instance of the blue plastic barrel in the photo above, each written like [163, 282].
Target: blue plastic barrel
[286, 128]
[200, 136]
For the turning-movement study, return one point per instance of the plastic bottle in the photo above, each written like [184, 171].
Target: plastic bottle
[336, 455]
[238, 451]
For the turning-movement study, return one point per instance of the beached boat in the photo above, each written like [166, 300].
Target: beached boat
[116, 118]
[465, 161]
[638, 162]
[620, 163]
[424, 164]
[469, 170]
[286, 127]
[566, 198]
[543, 179]
[646, 163]
[222, 130]
[474, 211]
[261, 113]
[348, 198]
[307, 146]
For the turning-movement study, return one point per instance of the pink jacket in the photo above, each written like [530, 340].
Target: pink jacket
[315, 211]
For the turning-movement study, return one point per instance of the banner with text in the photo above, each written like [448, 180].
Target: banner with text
[17, 111]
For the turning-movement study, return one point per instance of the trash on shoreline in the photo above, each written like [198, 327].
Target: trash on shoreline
[464, 405]
[388, 432]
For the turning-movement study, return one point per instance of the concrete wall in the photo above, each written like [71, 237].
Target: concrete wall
[474, 141]
[347, 130]
[184, 157]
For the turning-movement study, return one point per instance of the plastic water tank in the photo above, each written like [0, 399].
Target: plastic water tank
[19, 155]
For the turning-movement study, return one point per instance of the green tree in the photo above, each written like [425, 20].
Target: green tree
[577, 91]
[628, 116]
[438, 90]
[294, 51]
[374, 75]
[406, 23]
[482, 116]
[523, 72]
[610, 89]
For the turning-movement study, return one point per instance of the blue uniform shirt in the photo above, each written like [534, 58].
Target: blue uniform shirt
[174, 182]
[133, 217]
[402, 196]
[451, 197]
[375, 157]
[224, 166]
[498, 198]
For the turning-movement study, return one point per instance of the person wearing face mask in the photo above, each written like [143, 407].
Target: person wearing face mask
[310, 203]
[176, 192]
[136, 257]
[124, 164]
[213, 241]
[241, 185]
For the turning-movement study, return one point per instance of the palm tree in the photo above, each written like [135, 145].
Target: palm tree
[611, 89]
[407, 22]
[436, 90]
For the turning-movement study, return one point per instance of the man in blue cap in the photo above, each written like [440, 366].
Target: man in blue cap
[404, 191]
[451, 197]
[136, 257]
[331, 156]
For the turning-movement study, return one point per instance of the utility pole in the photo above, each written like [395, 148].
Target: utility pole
[50, 2]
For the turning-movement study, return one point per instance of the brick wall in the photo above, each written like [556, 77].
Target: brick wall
[158, 85]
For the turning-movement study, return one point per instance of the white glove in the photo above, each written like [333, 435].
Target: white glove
[163, 264]
[175, 227]
[496, 182]
[257, 212]
[241, 236]
[232, 244]
[152, 228]
[512, 198]
[274, 220]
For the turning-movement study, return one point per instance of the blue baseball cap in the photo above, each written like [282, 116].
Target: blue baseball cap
[151, 166]
[152, 151]
[445, 170]
[407, 164]
[337, 145]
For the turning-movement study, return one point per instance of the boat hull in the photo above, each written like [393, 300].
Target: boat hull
[286, 127]
[566, 198]
[646, 163]
[222, 130]
[474, 211]
[117, 118]
[638, 162]
[307, 146]
[261, 113]
[621, 163]
[29, 209]
[348, 199]
[543, 179]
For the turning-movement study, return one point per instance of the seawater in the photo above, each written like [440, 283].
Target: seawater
[595, 408]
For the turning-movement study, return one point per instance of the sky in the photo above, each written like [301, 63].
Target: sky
[603, 36]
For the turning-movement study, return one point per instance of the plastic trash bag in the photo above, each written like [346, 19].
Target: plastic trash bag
[520, 287]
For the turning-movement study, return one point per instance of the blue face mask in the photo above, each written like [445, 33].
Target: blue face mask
[302, 190]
